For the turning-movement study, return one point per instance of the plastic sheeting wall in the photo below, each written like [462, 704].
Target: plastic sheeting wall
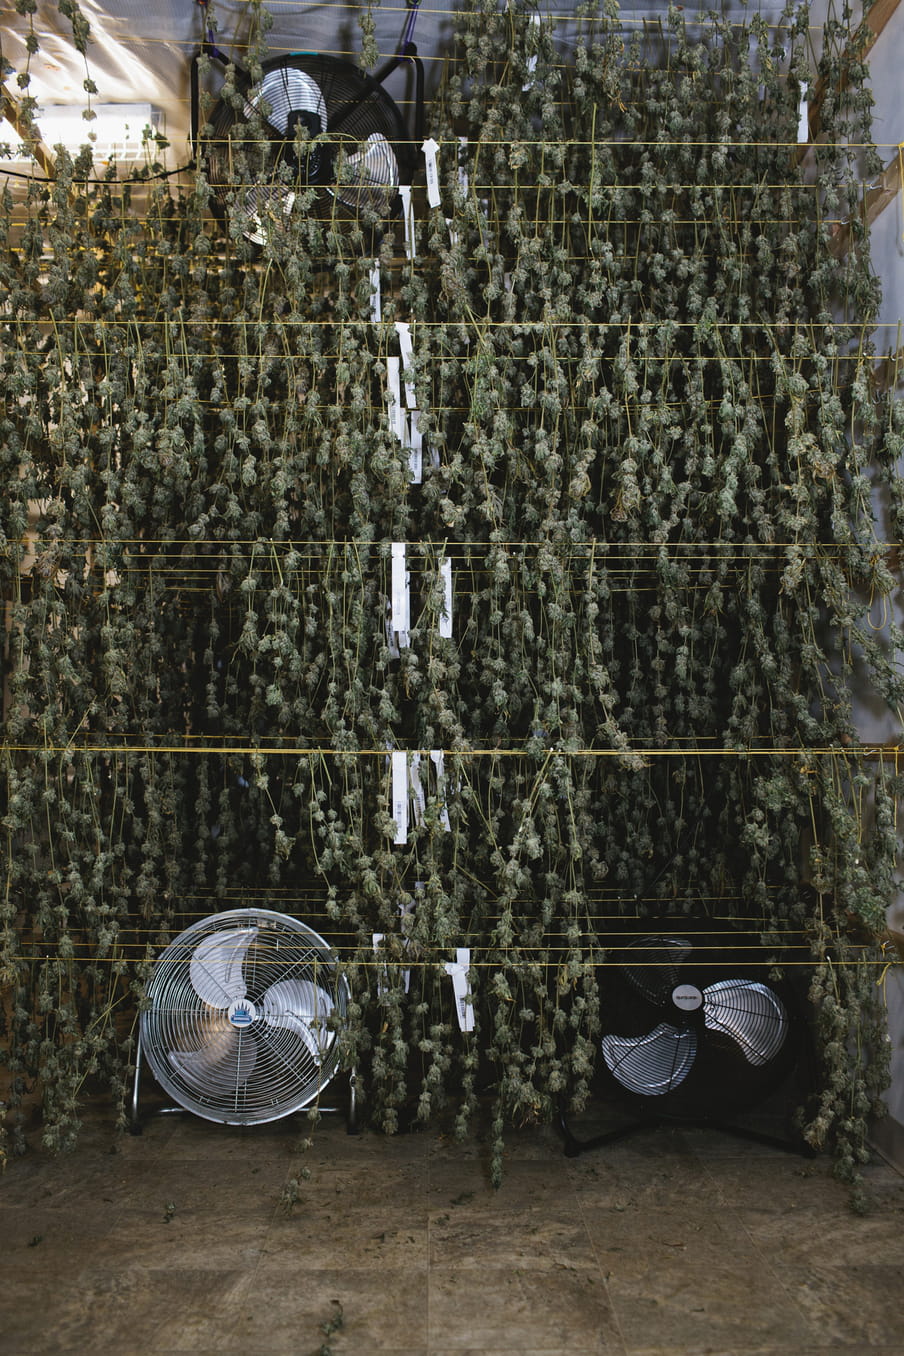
[887, 239]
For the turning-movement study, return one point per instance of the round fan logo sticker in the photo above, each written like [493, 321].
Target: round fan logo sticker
[242, 1013]
[687, 997]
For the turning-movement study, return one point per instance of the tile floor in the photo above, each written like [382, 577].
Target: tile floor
[672, 1241]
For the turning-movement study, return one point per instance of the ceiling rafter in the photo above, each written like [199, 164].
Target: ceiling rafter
[877, 197]
[12, 112]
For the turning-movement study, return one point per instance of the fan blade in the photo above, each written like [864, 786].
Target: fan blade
[303, 1007]
[369, 177]
[376, 165]
[287, 91]
[216, 966]
[651, 1064]
[750, 1013]
[269, 208]
[651, 966]
[225, 1061]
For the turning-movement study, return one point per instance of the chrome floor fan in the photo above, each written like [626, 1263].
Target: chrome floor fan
[243, 1018]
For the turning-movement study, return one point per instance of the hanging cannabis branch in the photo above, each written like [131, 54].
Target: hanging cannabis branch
[651, 446]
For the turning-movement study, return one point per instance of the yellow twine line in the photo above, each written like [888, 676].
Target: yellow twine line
[122, 746]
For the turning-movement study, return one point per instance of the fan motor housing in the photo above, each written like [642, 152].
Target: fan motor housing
[687, 997]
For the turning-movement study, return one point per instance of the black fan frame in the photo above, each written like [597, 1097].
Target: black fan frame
[721, 1081]
[360, 106]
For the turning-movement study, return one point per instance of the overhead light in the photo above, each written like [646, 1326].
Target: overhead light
[116, 131]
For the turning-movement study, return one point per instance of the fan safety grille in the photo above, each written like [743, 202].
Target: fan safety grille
[313, 125]
[672, 1018]
[243, 1014]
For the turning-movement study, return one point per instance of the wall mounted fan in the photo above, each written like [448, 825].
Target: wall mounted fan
[242, 1020]
[694, 1028]
[316, 130]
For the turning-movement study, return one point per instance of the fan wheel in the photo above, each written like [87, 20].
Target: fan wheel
[693, 1027]
[244, 1010]
[316, 134]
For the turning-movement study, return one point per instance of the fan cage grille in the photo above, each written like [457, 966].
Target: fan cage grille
[294, 1000]
[728, 1045]
[359, 152]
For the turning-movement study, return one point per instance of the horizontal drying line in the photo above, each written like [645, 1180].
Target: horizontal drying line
[516, 962]
[633, 327]
[114, 748]
[722, 550]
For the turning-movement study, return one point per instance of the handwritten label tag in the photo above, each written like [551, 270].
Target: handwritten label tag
[406, 347]
[445, 616]
[417, 789]
[400, 598]
[408, 219]
[463, 180]
[376, 300]
[415, 445]
[458, 972]
[430, 148]
[531, 60]
[400, 794]
[394, 396]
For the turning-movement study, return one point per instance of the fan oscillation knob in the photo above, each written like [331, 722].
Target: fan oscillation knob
[242, 1013]
[687, 997]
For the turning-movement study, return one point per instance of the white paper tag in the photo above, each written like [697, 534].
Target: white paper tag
[430, 148]
[463, 180]
[803, 116]
[445, 620]
[406, 347]
[436, 758]
[418, 798]
[454, 237]
[383, 977]
[531, 61]
[376, 301]
[408, 220]
[394, 396]
[415, 447]
[458, 971]
[400, 599]
[400, 794]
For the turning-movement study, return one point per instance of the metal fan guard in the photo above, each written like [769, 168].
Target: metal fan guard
[727, 1046]
[369, 174]
[240, 1073]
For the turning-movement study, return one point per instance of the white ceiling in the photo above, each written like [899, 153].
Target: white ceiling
[140, 50]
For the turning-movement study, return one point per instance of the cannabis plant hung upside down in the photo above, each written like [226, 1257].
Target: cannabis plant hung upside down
[651, 441]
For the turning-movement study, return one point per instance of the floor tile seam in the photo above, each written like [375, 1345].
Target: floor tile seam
[261, 1252]
[767, 1260]
[616, 1321]
[428, 1225]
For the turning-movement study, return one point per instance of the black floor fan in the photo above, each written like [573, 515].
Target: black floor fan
[695, 1032]
[324, 137]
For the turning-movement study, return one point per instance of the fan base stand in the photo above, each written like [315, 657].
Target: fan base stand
[574, 1147]
[136, 1127]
